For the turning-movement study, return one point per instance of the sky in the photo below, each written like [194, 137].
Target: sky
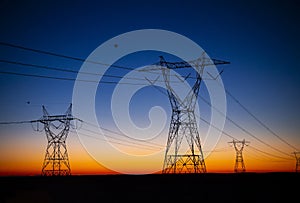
[260, 39]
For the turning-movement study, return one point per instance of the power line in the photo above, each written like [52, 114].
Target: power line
[240, 127]
[259, 121]
[216, 150]
[280, 157]
[223, 132]
[237, 125]
[263, 157]
[228, 135]
[158, 146]
[61, 55]
[233, 123]
[16, 122]
[44, 67]
[68, 79]
[80, 59]
[153, 147]
[124, 144]
[208, 123]
[215, 61]
[30, 65]
[243, 129]
[127, 68]
[223, 149]
[121, 134]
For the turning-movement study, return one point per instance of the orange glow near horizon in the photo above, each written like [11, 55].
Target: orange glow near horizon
[25, 157]
[85, 165]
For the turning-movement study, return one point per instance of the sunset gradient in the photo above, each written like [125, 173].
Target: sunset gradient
[259, 39]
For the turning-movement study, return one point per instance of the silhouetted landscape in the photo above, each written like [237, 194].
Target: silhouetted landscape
[212, 187]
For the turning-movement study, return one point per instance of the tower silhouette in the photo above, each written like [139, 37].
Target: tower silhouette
[239, 161]
[183, 125]
[56, 127]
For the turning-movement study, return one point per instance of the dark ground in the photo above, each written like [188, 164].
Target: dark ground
[247, 187]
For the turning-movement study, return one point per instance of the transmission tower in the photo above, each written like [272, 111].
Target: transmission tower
[239, 161]
[183, 121]
[56, 127]
[297, 156]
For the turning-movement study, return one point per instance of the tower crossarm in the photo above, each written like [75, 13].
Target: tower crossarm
[205, 61]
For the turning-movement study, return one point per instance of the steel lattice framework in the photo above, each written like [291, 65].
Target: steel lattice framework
[183, 123]
[239, 161]
[56, 127]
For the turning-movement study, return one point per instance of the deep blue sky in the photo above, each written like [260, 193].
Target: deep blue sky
[259, 38]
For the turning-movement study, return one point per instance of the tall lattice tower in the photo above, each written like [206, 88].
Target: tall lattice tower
[56, 127]
[239, 161]
[297, 156]
[183, 125]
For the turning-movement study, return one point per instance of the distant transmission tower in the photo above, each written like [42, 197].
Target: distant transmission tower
[56, 127]
[183, 121]
[239, 161]
[297, 156]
